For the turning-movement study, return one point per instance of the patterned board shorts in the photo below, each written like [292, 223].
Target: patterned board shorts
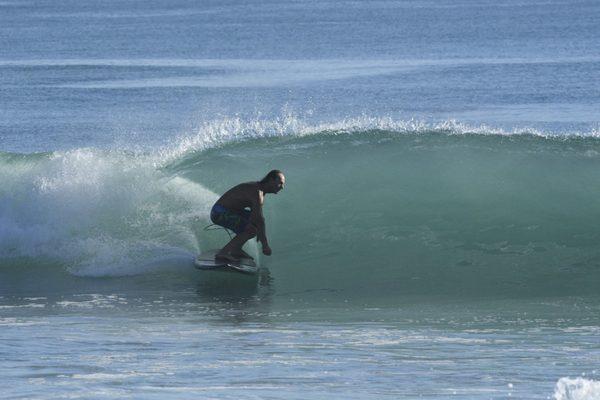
[229, 219]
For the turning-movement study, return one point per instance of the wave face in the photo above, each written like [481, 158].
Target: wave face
[369, 210]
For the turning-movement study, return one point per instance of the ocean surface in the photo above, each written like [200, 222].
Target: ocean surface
[438, 236]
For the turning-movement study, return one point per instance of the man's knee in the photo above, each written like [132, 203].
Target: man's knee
[251, 230]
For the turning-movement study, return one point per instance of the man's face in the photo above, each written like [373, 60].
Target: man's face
[277, 183]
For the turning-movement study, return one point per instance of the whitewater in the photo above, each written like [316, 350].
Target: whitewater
[438, 233]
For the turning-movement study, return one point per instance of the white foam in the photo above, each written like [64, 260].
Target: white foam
[98, 212]
[19, 322]
[577, 389]
[111, 377]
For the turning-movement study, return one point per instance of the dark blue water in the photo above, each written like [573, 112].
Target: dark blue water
[115, 73]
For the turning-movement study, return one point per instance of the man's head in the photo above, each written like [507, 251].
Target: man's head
[273, 182]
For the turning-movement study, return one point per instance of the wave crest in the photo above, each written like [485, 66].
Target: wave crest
[221, 131]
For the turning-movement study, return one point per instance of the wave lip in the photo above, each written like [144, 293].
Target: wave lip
[221, 131]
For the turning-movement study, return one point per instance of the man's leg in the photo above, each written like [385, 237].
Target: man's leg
[246, 255]
[233, 249]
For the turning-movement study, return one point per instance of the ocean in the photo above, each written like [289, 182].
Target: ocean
[437, 237]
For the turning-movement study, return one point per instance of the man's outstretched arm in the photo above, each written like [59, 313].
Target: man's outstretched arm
[257, 218]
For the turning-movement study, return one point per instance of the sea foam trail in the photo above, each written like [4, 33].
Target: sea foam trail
[372, 206]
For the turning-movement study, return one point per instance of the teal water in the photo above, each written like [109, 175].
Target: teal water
[388, 212]
[437, 236]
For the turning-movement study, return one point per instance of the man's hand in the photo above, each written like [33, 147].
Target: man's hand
[266, 250]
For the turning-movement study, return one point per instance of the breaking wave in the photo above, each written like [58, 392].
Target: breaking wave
[372, 206]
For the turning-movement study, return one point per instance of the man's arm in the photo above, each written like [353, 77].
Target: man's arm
[257, 218]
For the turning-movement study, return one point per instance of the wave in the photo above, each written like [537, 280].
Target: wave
[240, 73]
[372, 207]
[255, 63]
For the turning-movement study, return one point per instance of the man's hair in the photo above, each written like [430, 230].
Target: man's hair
[271, 175]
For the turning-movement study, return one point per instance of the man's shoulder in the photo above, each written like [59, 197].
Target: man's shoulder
[248, 189]
[250, 186]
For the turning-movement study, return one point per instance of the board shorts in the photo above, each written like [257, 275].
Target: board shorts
[234, 220]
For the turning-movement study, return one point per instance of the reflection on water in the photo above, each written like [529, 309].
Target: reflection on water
[236, 297]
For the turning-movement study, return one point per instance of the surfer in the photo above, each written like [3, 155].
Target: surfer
[231, 212]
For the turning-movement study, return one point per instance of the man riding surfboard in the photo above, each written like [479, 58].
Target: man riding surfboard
[230, 212]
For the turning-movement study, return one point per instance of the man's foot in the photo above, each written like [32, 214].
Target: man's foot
[226, 256]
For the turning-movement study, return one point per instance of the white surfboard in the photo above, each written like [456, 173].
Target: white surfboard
[207, 261]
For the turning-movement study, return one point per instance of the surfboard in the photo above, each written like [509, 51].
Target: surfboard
[207, 261]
